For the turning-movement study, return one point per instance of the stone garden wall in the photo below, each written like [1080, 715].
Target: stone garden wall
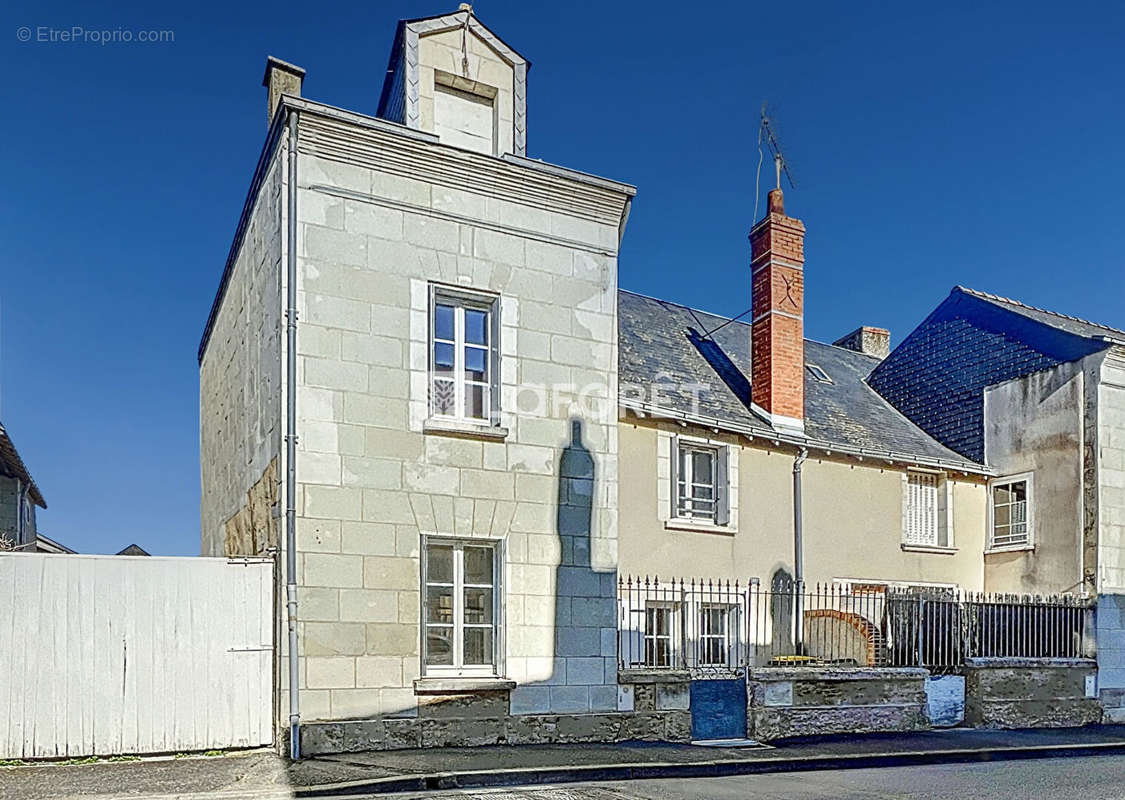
[1031, 693]
[805, 701]
[654, 708]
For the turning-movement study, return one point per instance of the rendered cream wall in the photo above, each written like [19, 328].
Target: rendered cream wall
[1111, 473]
[852, 522]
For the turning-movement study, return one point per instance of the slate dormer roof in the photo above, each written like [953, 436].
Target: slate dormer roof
[662, 345]
[973, 340]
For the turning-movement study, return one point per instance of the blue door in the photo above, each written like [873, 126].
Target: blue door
[718, 709]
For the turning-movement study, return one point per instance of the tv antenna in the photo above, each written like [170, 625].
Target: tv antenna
[767, 135]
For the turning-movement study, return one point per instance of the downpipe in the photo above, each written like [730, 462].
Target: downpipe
[291, 449]
[798, 554]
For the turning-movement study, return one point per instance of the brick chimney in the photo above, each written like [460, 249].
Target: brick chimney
[281, 78]
[870, 341]
[777, 267]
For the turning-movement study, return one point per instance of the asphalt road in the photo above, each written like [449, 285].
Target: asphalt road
[1095, 778]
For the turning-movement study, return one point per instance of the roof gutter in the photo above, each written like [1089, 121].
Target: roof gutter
[827, 448]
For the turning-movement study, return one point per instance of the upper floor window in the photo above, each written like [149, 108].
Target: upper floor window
[925, 510]
[700, 482]
[461, 607]
[1011, 517]
[463, 356]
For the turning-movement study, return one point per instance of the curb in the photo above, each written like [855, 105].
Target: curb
[531, 776]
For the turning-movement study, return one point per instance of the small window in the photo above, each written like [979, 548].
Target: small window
[460, 609]
[696, 485]
[715, 635]
[818, 373]
[1011, 517]
[463, 357]
[920, 514]
[658, 635]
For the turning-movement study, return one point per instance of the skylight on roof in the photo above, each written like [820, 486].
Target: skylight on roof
[818, 373]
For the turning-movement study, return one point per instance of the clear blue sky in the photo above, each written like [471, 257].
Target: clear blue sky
[931, 146]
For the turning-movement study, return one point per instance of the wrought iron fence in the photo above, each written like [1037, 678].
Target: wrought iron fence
[725, 626]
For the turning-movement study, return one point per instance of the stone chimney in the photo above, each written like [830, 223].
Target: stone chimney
[867, 340]
[777, 268]
[281, 78]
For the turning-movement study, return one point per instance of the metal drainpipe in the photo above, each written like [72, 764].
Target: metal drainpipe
[291, 449]
[798, 553]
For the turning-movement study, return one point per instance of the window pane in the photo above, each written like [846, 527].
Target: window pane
[439, 645]
[439, 604]
[443, 359]
[476, 326]
[475, 401]
[478, 646]
[701, 492]
[1003, 494]
[476, 364]
[1002, 515]
[478, 565]
[1019, 491]
[444, 397]
[439, 563]
[443, 322]
[701, 466]
[478, 606]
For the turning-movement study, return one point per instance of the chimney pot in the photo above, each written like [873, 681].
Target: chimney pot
[776, 202]
[281, 78]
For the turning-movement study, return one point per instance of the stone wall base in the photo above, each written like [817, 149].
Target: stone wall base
[786, 702]
[1030, 693]
[318, 738]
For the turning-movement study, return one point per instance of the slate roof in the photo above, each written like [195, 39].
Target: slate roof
[661, 345]
[12, 465]
[972, 340]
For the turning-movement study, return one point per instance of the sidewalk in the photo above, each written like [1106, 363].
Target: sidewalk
[261, 774]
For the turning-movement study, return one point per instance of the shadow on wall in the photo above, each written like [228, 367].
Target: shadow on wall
[580, 674]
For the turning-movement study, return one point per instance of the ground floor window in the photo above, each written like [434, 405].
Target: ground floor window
[460, 611]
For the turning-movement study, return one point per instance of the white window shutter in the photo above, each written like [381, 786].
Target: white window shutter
[921, 512]
[674, 473]
[722, 487]
[945, 512]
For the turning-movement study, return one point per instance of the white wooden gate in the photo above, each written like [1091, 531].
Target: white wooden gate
[102, 655]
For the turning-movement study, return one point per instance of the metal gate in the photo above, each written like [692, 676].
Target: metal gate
[104, 655]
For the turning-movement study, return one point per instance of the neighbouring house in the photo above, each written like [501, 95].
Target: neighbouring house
[133, 550]
[19, 497]
[419, 368]
[1040, 397]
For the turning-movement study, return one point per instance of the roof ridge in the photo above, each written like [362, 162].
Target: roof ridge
[736, 321]
[999, 298]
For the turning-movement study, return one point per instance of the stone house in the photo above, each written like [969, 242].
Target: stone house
[419, 370]
[19, 497]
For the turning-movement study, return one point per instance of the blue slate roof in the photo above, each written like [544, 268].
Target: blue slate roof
[661, 345]
[972, 340]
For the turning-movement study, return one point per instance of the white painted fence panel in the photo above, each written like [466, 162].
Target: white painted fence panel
[101, 655]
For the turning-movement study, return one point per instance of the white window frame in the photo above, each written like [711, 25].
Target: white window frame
[729, 636]
[993, 485]
[458, 668]
[686, 478]
[460, 300]
[673, 608]
[938, 520]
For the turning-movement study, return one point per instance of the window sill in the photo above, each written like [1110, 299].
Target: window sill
[698, 527]
[456, 684]
[926, 548]
[1016, 548]
[464, 429]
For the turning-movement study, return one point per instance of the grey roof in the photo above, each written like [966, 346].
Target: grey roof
[11, 464]
[1062, 322]
[661, 345]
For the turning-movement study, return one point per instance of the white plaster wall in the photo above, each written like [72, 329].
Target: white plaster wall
[371, 482]
[240, 375]
[1111, 474]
